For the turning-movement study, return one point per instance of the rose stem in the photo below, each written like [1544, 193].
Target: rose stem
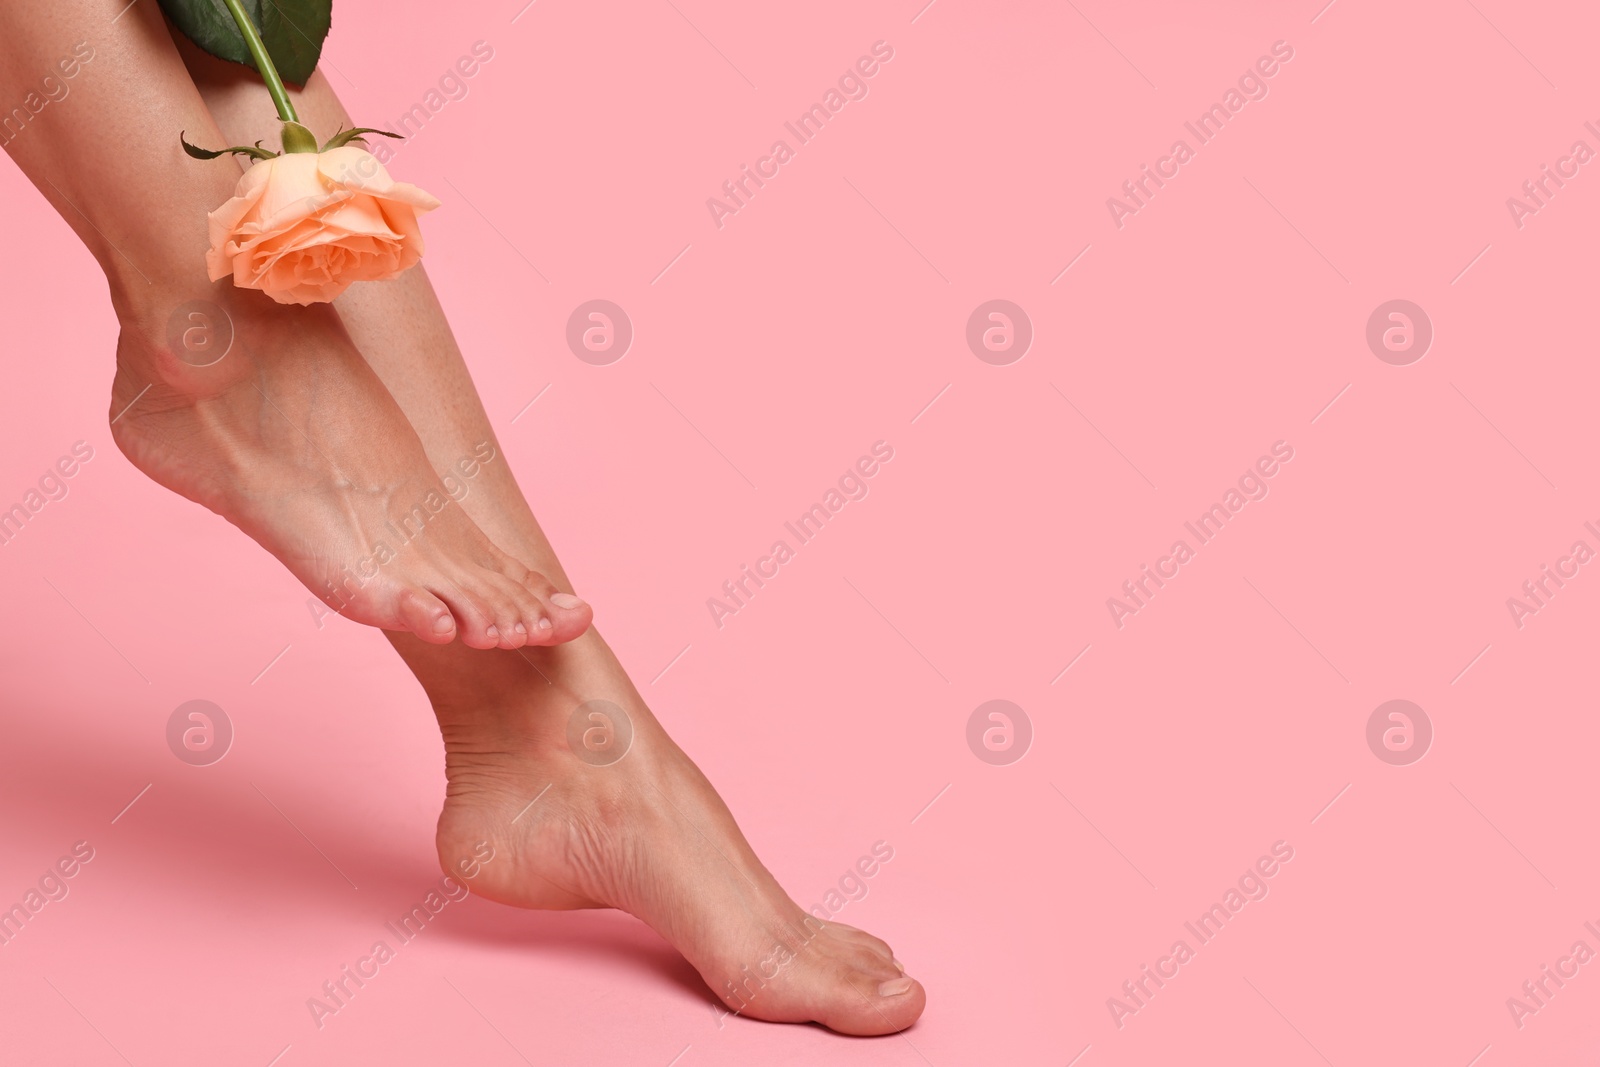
[258, 52]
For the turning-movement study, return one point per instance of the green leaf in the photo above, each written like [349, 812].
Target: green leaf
[344, 137]
[292, 30]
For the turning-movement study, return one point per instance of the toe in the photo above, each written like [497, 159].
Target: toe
[570, 617]
[560, 616]
[861, 937]
[426, 615]
[875, 1001]
[859, 991]
[532, 613]
[477, 609]
[516, 613]
[844, 984]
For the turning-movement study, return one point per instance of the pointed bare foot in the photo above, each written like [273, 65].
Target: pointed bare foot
[291, 437]
[647, 834]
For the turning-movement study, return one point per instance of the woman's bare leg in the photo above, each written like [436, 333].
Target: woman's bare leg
[646, 833]
[290, 436]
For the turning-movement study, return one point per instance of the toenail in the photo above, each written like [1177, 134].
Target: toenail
[443, 624]
[898, 964]
[895, 987]
[544, 624]
[565, 600]
[521, 629]
[493, 631]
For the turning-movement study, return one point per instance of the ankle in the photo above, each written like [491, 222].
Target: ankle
[520, 725]
[199, 343]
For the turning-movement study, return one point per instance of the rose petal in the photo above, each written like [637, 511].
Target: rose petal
[303, 227]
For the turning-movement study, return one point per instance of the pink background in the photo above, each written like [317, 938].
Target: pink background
[824, 316]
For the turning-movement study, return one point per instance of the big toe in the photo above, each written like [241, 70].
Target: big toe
[870, 1002]
[570, 617]
[845, 985]
[561, 617]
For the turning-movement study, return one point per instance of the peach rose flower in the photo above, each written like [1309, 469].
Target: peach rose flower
[303, 226]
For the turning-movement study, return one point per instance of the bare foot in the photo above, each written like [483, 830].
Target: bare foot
[649, 835]
[291, 437]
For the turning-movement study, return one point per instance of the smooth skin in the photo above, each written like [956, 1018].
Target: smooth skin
[646, 834]
[291, 436]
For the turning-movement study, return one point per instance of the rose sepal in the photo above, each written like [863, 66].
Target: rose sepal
[296, 138]
[344, 137]
[256, 152]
